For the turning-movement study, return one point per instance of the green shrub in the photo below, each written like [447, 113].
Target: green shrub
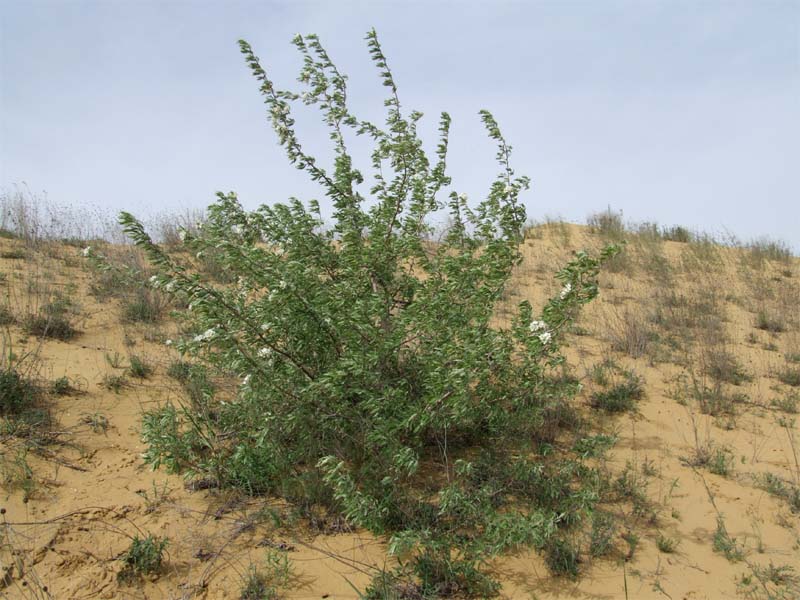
[770, 322]
[665, 544]
[6, 316]
[364, 351]
[604, 528]
[562, 557]
[139, 367]
[17, 393]
[57, 326]
[621, 396]
[143, 305]
[143, 557]
[790, 376]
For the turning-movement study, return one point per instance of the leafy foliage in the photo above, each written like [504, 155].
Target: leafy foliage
[373, 380]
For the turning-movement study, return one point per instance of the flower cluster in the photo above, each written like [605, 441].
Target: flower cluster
[208, 334]
[540, 329]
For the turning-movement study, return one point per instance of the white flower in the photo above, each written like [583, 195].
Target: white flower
[545, 336]
[538, 326]
[282, 284]
[266, 327]
[170, 287]
[154, 281]
[265, 352]
[246, 380]
[462, 196]
[206, 335]
[182, 234]
[87, 251]
[508, 190]
[168, 343]
[565, 290]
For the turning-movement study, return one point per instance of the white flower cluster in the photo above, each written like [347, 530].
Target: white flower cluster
[206, 335]
[87, 251]
[154, 281]
[508, 190]
[265, 352]
[539, 328]
[462, 196]
[246, 380]
[182, 234]
[565, 290]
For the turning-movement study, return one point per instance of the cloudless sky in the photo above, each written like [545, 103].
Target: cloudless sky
[678, 112]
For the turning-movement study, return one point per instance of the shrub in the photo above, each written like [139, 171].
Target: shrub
[604, 527]
[665, 544]
[677, 234]
[770, 322]
[143, 305]
[608, 224]
[17, 393]
[366, 352]
[143, 557]
[790, 376]
[562, 557]
[52, 321]
[140, 367]
[621, 396]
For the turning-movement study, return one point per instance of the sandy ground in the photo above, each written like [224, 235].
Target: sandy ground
[94, 493]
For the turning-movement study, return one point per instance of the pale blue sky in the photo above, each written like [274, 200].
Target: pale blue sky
[679, 112]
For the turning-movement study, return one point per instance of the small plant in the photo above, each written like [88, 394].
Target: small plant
[665, 544]
[114, 360]
[632, 540]
[608, 223]
[56, 325]
[114, 383]
[725, 544]
[143, 557]
[621, 397]
[677, 234]
[17, 474]
[604, 528]
[17, 393]
[717, 459]
[790, 376]
[788, 403]
[143, 305]
[6, 316]
[62, 386]
[562, 557]
[266, 583]
[15, 254]
[139, 367]
[770, 322]
[722, 366]
[98, 422]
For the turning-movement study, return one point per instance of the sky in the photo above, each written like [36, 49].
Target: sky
[676, 112]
